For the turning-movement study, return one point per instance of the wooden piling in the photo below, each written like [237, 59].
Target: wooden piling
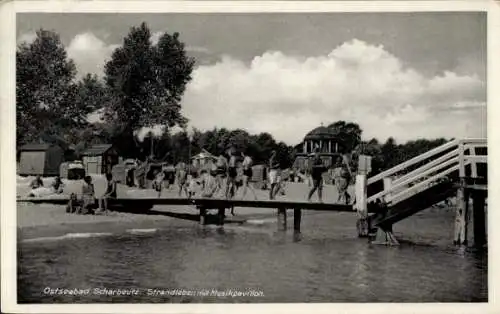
[361, 205]
[478, 218]
[203, 215]
[297, 217]
[221, 215]
[281, 219]
[461, 215]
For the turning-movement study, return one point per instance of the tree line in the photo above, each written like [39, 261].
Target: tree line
[142, 86]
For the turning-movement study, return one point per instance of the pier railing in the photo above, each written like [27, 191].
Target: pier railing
[421, 172]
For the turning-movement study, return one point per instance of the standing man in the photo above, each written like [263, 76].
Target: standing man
[232, 173]
[109, 194]
[221, 169]
[247, 175]
[274, 175]
[317, 170]
[181, 178]
[342, 177]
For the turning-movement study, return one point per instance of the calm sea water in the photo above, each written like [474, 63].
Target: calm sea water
[328, 263]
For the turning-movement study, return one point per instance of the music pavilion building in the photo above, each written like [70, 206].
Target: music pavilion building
[325, 139]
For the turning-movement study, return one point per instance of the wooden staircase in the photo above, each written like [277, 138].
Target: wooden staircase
[417, 184]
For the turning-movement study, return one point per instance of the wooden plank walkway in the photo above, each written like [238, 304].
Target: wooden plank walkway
[207, 203]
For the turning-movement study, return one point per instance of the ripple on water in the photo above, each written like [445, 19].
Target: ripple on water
[328, 264]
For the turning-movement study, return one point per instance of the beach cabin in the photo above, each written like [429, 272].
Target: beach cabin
[204, 160]
[100, 159]
[124, 172]
[72, 170]
[40, 159]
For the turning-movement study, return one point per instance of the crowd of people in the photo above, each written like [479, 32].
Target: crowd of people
[231, 172]
[38, 189]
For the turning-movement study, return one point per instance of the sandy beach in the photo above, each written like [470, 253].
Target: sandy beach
[47, 220]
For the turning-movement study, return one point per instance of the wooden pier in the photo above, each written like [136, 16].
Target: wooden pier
[203, 205]
[457, 168]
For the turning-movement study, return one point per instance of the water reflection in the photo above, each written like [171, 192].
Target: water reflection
[326, 262]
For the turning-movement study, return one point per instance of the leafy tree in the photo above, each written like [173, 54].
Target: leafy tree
[147, 81]
[348, 134]
[44, 88]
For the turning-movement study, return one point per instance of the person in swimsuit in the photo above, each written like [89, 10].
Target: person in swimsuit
[342, 177]
[317, 170]
[182, 176]
[58, 185]
[158, 182]
[193, 185]
[232, 173]
[221, 165]
[109, 194]
[88, 196]
[274, 175]
[169, 176]
[209, 184]
[37, 182]
[247, 175]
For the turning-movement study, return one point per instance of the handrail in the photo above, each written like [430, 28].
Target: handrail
[473, 141]
[461, 156]
[410, 180]
[427, 166]
[413, 161]
[424, 183]
[437, 163]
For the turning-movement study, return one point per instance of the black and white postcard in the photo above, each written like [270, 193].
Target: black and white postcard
[192, 156]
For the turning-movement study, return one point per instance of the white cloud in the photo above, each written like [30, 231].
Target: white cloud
[89, 53]
[157, 131]
[27, 38]
[288, 96]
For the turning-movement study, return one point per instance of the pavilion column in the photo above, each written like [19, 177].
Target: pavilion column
[304, 149]
[329, 146]
[336, 147]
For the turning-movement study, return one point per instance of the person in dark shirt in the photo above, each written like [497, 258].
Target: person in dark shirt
[317, 170]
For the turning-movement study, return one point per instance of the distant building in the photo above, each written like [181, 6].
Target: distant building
[100, 159]
[40, 159]
[322, 138]
[204, 160]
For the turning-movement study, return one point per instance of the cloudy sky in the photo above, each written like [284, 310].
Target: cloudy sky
[406, 75]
